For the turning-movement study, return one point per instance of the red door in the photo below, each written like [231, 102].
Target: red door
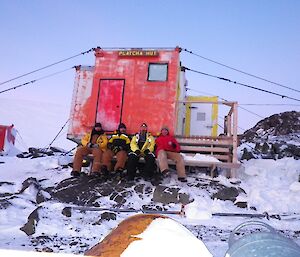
[109, 105]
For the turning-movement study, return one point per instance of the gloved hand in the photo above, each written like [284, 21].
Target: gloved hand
[146, 151]
[109, 146]
[137, 152]
[92, 145]
[116, 149]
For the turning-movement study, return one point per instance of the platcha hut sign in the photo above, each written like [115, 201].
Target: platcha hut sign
[138, 53]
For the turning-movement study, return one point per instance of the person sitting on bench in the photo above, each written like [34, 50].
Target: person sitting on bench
[142, 145]
[95, 143]
[118, 145]
[167, 147]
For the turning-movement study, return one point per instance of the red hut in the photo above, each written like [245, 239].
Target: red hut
[130, 86]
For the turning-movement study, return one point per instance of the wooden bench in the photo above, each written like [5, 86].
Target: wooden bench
[221, 148]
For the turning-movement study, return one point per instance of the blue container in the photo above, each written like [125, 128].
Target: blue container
[261, 244]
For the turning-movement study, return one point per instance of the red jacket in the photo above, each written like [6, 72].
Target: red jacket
[167, 143]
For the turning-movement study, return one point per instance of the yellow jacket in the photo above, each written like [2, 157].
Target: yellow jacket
[119, 140]
[149, 144]
[101, 140]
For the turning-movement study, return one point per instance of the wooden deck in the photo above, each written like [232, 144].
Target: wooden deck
[221, 148]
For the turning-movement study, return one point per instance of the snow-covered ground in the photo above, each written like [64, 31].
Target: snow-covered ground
[270, 186]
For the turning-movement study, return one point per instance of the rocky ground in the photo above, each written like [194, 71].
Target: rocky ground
[275, 137]
[139, 195]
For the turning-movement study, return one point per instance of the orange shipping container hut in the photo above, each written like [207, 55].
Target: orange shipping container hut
[132, 86]
[141, 85]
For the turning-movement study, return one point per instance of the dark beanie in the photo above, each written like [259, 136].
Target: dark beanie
[96, 131]
[122, 125]
[165, 127]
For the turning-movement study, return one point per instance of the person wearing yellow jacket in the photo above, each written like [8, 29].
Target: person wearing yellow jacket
[95, 143]
[118, 145]
[141, 145]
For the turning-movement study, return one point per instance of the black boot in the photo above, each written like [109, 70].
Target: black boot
[104, 171]
[166, 173]
[182, 179]
[131, 166]
[96, 174]
[120, 174]
[75, 173]
[150, 165]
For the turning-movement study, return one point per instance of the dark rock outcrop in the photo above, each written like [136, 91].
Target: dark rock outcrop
[274, 137]
[286, 123]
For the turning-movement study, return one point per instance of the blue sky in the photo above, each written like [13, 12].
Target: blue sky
[260, 37]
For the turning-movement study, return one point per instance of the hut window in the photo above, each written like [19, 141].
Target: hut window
[158, 72]
[201, 116]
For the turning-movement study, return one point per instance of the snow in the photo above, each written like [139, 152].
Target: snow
[278, 180]
[31, 253]
[276, 185]
[270, 186]
[198, 210]
[169, 238]
[200, 157]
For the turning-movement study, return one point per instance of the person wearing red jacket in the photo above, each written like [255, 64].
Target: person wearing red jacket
[167, 147]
